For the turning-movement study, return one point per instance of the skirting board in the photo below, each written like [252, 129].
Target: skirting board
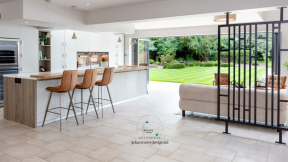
[79, 113]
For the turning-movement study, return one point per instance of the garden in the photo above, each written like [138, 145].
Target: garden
[194, 59]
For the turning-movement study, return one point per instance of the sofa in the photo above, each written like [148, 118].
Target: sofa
[203, 99]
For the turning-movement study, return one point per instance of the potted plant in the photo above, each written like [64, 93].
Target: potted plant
[104, 62]
[43, 39]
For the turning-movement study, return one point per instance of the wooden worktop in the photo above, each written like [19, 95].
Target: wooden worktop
[99, 71]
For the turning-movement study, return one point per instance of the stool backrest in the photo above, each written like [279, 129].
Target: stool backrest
[69, 80]
[108, 76]
[90, 77]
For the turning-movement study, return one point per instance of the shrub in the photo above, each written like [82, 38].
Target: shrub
[224, 56]
[158, 63]
[174, 62]
[180, 59]
[151, 61]
[165, 65]
[226, 65]
[190, 65]
[176, 66]
[186, 64]
[215, 63]
[167, 58]
[207, 64]
[253, 63]
[196, 63]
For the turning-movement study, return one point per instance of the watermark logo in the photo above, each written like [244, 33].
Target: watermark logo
[149, 127]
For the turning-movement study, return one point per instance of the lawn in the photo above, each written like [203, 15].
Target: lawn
[199, 75]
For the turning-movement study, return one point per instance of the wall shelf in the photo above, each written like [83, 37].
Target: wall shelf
[46, 51]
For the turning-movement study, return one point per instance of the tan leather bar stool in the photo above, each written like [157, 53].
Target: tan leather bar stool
[106, 80]
[89, 80]
[68, 82]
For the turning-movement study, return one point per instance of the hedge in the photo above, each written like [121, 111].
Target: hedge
[224, 56]
[175, 66]
[209, 64]
[196, 63]
[253, 63]
[226, 65]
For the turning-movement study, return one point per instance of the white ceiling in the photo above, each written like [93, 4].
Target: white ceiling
[96, 4]
[195, 21]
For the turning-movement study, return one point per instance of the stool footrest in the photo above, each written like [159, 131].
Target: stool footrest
[53, 112]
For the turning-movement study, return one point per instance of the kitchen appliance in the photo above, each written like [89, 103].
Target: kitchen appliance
[90, 60]
[9, 61]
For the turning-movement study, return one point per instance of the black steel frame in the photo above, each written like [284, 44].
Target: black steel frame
[279, 127]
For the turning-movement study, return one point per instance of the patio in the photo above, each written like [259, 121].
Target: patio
[109, 138]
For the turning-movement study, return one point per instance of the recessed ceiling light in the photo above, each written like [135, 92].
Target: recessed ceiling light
[26, 22]
[67, 27]
[88, 4]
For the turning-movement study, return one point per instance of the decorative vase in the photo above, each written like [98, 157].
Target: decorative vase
[104, 64]
[42, 43]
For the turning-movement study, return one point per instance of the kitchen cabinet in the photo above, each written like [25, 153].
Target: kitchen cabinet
[57, 50]
[70, 57]
[94, 45]
[103, 42]
[82, 41]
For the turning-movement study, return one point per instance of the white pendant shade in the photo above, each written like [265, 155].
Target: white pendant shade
[222, 18]
[135, 42]
[74, 36]
[131, 43]
[49, 34]
[119, 40]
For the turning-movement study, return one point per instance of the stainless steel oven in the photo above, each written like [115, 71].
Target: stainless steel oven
[9, 60]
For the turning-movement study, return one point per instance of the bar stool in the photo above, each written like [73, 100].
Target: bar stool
[89, 80]
[106, 80]
[68, 82]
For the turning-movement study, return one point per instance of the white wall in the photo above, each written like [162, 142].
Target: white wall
[29, 36]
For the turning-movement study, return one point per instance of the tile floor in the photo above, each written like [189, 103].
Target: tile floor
[109, 139]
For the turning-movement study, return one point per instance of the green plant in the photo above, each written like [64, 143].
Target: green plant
[158, 63]
[226, 65]
[43, 38]
[286, 65]
[190, 65]
[176, 66]
[237, 85]
[196, 63]
[167, 58]
[103, 59]
[180, 59]
[208, 64]
[253, 63]
[174, 62]
[151, 61]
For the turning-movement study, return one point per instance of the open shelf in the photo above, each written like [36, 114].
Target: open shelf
[46, 51]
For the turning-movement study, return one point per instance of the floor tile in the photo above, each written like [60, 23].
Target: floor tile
[14, 140]
[251, 156]
[105, 130]
[157, 158]
[57, 146]
[239, 159]
[119, 139]
[49, 136]
[80, 150]
[171, 146]
[45, 154]
[22, 151]
[222, 160]
[138, 150]
[163, 153]
[252, 149]
[189, 156]
[222, 153]
[197, 142]
[77, 133]
[36, 142]
[104, 154]
[131, 158]
[90, 142]
[7, 158]
[68, 156]
[34, 159]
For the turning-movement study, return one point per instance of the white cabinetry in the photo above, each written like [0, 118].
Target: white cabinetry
[93, 44]
[103, 42]
[63, 51]
[57, 50]
[82, 41]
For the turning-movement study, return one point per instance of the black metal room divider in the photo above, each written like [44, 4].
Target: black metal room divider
[243, 36]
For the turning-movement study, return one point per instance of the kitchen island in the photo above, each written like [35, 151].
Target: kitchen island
[26, 98]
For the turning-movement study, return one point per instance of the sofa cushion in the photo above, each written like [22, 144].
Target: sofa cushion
[208, 93]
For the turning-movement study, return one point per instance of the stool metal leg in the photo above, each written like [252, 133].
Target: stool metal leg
[71, 102]
[47, 109]
[82, 104]
[110, 98]
[60, 112]
[98, 98]
[101, 102]
[89, 101]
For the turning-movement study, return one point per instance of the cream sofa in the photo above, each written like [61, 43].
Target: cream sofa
[203, 99]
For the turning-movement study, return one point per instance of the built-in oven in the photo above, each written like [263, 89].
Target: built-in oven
[9, 61]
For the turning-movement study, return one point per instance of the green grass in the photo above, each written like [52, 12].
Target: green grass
[264, 63]
[200, 75]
